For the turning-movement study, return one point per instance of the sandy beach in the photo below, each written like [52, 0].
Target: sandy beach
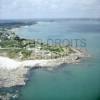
[9, 64]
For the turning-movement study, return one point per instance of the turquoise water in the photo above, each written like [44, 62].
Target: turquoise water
[72, 81]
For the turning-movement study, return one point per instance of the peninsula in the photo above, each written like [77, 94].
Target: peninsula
[19, 55]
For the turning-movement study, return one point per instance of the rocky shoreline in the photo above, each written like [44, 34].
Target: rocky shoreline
[17, 76]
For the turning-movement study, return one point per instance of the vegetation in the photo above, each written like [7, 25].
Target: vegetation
[20, 48]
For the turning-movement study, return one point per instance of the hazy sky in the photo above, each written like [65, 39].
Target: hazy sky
[49, 9]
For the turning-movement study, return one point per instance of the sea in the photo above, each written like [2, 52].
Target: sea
[69, 81]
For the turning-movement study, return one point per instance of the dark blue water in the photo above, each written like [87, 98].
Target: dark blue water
[72, 81]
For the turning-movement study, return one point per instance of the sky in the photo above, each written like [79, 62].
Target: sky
[26, 9]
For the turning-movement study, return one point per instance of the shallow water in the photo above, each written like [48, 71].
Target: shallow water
[69, 82]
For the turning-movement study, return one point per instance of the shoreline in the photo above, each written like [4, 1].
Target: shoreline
[13, 73]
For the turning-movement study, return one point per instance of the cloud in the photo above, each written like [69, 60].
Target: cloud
[48, 8]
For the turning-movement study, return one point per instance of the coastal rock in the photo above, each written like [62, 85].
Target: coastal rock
[13, 73]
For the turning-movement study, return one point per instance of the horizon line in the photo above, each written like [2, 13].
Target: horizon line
[51, 18]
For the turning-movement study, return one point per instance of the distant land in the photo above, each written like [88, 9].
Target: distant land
[16, 23]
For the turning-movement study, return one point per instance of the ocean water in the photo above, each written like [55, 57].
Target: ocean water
[71, 81]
